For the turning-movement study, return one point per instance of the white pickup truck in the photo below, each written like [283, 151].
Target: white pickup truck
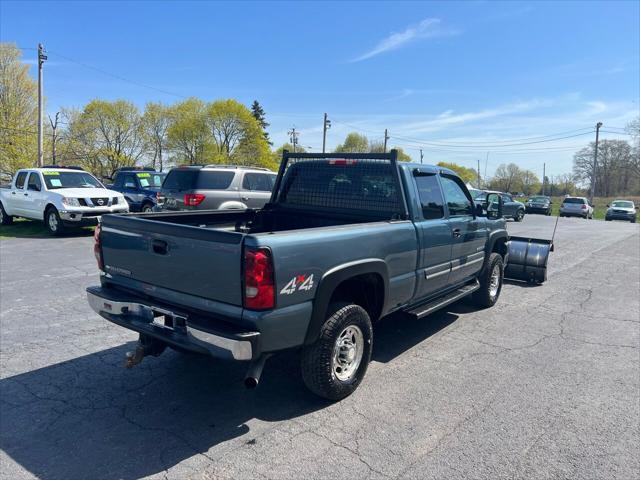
[61, 197]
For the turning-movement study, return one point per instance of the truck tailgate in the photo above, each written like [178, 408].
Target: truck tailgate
[199, 261]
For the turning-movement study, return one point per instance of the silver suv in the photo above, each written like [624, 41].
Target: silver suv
[212, 187]
[576, 207]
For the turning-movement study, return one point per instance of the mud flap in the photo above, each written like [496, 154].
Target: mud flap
[528, 259]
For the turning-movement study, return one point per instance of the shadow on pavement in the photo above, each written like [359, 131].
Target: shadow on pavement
[90, 418]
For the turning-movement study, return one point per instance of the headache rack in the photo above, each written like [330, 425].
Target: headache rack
[364, 183]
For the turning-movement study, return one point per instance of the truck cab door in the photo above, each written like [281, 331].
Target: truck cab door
[130, 190]
[34, 197]
[16, 200]
[434, 237]
[468, 233]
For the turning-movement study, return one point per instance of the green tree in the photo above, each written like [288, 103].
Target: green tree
[402, 156]
[468, 175]
[530, 182]
[354, 143]
[18, 112]
[258, 113]
[104, 136]
[237, 135]
[155, 128]
[188, 135]
[508, 178]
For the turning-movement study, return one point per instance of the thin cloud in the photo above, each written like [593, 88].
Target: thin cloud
[427, 28]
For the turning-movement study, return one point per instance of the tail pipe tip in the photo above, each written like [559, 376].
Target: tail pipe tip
[252, 378]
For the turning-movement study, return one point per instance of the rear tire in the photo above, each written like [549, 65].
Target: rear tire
[335, 364]
[4, 218]
[490, 282]
[53, 222]
[147, 208]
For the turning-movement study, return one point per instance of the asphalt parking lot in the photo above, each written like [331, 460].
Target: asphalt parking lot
[544, 385]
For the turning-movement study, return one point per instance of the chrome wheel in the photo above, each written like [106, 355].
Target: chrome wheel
[53, 221]
[494, 281]
[347, 353]
[147, 209]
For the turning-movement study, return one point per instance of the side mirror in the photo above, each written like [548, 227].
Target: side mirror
[494, 206]
[607, 205]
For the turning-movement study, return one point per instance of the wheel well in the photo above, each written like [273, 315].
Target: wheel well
[366, 290]
[500, 246]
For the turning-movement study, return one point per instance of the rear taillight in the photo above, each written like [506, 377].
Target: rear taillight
[583, 207]
[97, 248]
[259, 287]
[193, 199]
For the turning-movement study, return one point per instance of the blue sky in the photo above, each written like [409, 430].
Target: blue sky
[457, 79]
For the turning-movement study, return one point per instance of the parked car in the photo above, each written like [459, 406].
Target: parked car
[539, 204]
[218, 187]
[621, 210]
[61, 197]
[510, 207]
[347, 239]
[140, 187]
[576, 207]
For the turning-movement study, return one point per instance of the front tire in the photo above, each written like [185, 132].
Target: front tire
[490, 282]
[53, 222]
[519, 215]
[4, 218]
[336, 363]
[147, 208]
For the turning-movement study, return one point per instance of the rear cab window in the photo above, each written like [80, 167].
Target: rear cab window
[430, 196]
[20, 179]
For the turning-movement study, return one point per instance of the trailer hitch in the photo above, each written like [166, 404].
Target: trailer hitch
[146, 346]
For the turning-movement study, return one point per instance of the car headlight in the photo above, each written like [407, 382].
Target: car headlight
[70, 202]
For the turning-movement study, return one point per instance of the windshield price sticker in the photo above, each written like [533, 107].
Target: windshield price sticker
[50, 173]
[143, 175]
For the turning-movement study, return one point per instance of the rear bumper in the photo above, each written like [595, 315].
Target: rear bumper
[574, 213]
[185, 330]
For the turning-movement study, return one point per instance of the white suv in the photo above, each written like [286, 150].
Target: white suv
[61, 197]
[576, 207]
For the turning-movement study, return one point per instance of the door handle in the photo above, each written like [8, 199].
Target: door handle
[160, 247]
[456, 233]
[13, 193]
[244, 198]
[26, 194]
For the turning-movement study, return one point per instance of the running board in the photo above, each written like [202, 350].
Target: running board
[441, 302]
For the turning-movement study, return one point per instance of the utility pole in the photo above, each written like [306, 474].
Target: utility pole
[544, 176]
[386, 137]
[479, 184]
[54, 127]
[595, 164]
[293, 136]
[325, 126]
[41, 58]
[421, 155]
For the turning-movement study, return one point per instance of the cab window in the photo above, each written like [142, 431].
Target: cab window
[34, 182]
[261, 182]
[506, 198]
[457, 200]
[129, 181]
[430, 197]
[22, 176]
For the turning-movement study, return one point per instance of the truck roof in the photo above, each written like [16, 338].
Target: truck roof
[427, 168]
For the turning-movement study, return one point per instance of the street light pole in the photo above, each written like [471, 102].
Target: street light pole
[325, 126]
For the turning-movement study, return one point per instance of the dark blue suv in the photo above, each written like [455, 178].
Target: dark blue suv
[139, 187]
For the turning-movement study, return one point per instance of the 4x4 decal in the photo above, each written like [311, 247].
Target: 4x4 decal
[299, 282]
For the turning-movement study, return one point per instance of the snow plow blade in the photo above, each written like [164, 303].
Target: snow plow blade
[528, 259]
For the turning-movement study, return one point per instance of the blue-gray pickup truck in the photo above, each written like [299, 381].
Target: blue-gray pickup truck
[345, 240]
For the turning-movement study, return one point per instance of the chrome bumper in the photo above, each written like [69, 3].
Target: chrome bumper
[84, 215]
[143, 318]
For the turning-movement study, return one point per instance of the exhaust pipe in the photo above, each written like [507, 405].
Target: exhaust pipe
[252, 378]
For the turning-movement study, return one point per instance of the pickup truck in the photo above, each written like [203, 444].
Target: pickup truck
[345, 240]
[60, 196]
[140, 187]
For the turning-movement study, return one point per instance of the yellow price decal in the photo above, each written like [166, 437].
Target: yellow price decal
[50, 173]
[143, 175]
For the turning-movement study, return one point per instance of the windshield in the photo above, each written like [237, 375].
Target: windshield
[57, 179]
[148, 179]
[622, 204]
[539, 199]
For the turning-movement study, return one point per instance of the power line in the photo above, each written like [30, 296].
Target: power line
[484, 146]
[119, 77]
